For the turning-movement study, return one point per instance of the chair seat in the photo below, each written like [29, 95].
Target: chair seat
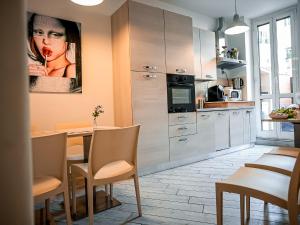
[75, 152]
[110, 170]
[45, 184]
[262, 181]
[277, 163]
[287, 151]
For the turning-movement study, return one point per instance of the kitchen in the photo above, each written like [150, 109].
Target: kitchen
[180, 126]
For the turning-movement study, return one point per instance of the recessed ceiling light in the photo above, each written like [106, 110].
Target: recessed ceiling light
[87, 2]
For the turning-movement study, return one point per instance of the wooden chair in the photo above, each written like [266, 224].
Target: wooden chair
[50, 169]
[112, 157]
[277, 163]
[287, 151]
[269, 186]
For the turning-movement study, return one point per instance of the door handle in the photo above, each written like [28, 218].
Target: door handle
[182, 70]
[149, 76]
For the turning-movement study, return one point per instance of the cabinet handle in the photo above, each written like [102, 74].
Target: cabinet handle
[205, 116]
[181, 128]
[209, 76]
[235, 113]
[182, 139]
[182, 117]
[181, 70]
[150, 68]
[248, 111]
[149, 76]
[221, 114]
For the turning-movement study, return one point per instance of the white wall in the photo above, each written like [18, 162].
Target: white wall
[49, 109]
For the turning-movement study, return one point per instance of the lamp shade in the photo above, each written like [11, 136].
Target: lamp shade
[237, 26]
[87, 2]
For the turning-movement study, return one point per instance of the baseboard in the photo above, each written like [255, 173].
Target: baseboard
[274, 142]
[194, 159]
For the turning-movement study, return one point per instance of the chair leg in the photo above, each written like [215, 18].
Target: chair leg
[73, 190]
[47, 208]
[137, 193]
[90, 202]
[293, 215]
[248, 206]
[219, 202]
[67, 205]
[111, 187]
[242, 208]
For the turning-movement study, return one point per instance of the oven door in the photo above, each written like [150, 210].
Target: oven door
[181, 97]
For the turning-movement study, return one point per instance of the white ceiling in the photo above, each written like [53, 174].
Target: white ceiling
[211, 8]
[247, 8]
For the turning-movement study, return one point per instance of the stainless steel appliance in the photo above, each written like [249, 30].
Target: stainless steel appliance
[238, 83]
[181, 93]
[233, 94]
[215, 93]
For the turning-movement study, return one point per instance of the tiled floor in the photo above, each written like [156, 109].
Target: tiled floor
[186, 195]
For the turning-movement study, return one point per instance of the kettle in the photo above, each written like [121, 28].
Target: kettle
[238, 83]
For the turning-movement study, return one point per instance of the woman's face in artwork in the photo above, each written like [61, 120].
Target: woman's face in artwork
[50, 37]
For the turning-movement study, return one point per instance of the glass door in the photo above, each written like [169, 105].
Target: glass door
[275, 69]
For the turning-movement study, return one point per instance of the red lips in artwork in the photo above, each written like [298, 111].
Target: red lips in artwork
[47, 52]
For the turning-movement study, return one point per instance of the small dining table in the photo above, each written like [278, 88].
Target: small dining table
[295, 122]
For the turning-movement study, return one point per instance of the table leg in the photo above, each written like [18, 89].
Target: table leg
[297, 135]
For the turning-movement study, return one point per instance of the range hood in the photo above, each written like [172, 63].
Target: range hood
[229, 63]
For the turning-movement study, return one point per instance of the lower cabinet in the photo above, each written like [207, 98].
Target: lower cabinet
[184, 147]
[206, 132]
[221, 124]
[236, 127]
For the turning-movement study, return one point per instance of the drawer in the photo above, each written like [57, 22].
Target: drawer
[184, 129]
[184, 147]
[182, 118]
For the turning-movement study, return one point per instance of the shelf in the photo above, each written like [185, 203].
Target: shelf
[229, 64]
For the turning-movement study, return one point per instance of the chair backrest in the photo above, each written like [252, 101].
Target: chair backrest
[49, 155]
[294, 184]
[112, 145]
[74, 140]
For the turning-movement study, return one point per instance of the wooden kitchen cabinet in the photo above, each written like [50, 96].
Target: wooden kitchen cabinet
[179, 43]
[208, 55]
[206, 132]
[204, 54]
[146, 34]
[221, 126]
[236, 128]
[149, 101]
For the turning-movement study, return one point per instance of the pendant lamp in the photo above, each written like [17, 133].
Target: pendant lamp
[237, 26]
[87, 2]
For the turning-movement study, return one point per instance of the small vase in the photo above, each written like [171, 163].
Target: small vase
[95, 122]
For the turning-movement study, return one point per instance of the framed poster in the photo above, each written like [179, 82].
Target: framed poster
[54, 54]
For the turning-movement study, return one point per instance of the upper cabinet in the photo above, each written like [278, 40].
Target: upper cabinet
[205, 54]
[179, 43]
[147, 47]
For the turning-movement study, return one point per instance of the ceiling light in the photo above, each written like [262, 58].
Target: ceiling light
[87, 2]
[237, 26]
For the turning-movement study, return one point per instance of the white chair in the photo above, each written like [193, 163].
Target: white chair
[112, 157]
[50, 169]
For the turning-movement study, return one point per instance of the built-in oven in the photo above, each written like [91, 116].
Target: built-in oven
[181, 93]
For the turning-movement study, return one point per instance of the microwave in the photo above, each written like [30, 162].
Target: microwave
[233, 94]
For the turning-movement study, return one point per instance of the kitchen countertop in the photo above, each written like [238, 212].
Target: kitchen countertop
[223, 109]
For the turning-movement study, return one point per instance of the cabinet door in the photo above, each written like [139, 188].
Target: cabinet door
[196, 44]
[179, 43]
[149, 102]
[208, 55]
[146, 38]
[184, 147]
[206, 132]
[247, 127]
[252, 126]
[236, 128]
[221, 129]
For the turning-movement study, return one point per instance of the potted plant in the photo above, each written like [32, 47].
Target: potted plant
[96, 113]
